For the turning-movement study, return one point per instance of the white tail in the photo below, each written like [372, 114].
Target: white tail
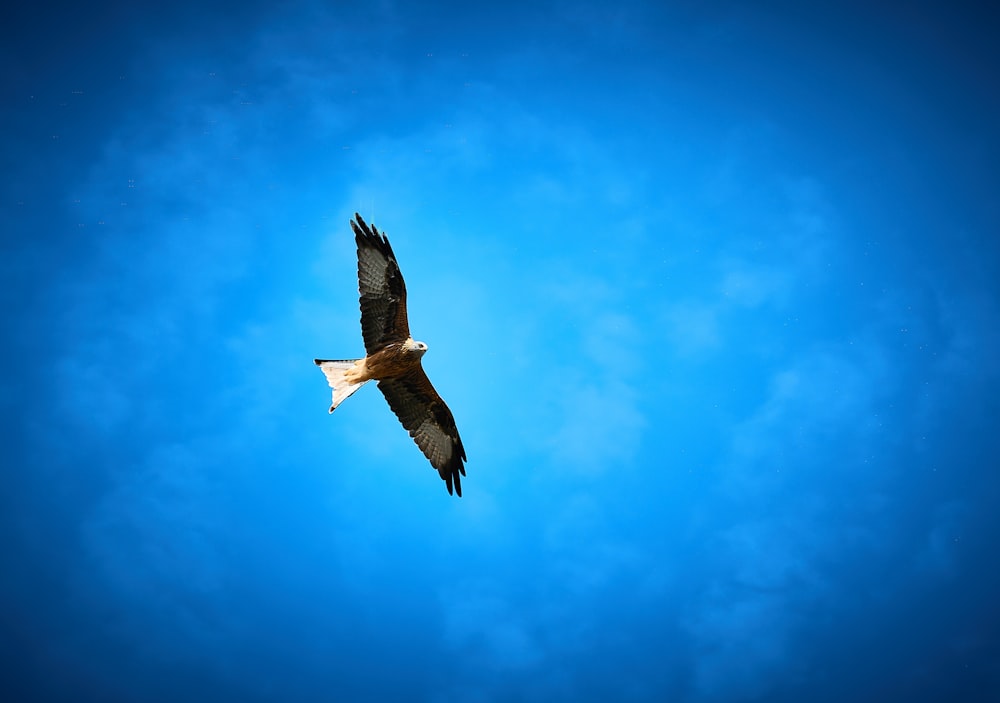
[334, 372]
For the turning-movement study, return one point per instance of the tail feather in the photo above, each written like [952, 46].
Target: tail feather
[334, 370]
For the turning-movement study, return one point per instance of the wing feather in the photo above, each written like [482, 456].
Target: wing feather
[381, 288]
[429, 421]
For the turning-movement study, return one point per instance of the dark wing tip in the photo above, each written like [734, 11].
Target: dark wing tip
[369, 236]
[452, 474]
[453, 468]
[452, 481]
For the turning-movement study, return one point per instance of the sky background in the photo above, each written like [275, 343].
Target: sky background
[711, 289]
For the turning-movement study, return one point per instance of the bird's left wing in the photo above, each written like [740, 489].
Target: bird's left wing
[429, 421]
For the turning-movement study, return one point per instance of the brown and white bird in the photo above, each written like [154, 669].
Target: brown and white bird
[393, 359]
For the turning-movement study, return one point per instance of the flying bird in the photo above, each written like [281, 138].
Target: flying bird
[393, 359]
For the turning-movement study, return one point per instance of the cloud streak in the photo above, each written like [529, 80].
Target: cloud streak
[725, 380]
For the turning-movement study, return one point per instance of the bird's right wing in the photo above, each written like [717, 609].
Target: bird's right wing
[383, 293]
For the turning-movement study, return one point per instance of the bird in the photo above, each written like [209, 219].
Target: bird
[392, 359]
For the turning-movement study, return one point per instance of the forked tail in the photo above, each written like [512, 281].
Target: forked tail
[334, 371]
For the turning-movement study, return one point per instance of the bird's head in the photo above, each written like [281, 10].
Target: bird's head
[415, 347]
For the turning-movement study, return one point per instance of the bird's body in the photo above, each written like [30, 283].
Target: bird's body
[393, 359]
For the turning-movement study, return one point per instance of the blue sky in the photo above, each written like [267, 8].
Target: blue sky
[710, 288]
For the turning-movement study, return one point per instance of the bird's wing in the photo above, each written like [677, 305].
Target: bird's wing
[383, 293]
[429, 421]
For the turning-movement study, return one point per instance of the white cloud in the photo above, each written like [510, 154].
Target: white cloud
[743, 646]
[694, 328]
[750, 286]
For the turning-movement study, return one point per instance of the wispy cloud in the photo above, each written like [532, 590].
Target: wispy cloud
[714, 419]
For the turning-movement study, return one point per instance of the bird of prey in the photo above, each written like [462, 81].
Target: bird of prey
[393, 359]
